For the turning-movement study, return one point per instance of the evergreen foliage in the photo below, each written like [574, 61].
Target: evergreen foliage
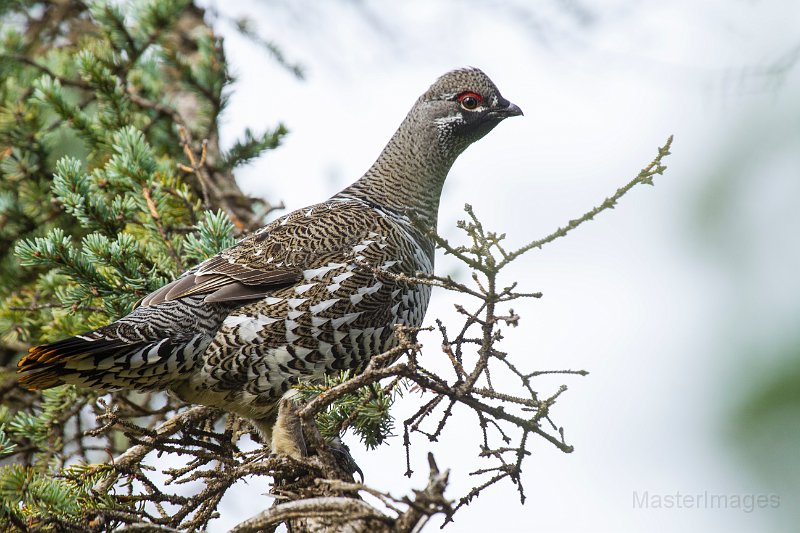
[365, 410]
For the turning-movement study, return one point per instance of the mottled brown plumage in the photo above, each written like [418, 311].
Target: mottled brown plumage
[301, 297]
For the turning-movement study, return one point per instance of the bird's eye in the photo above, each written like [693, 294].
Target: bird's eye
[469, 100]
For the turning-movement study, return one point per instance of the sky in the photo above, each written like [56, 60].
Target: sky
[675, 302]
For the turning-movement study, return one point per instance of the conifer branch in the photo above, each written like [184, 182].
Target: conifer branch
[645, 177]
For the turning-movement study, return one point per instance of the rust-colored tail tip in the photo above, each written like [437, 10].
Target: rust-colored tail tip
[43, 379]
[39, 355]
[35, 374]
[28, 382]
[30, 360]
[28, 357]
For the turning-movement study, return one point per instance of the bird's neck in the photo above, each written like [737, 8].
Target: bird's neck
[409, 174]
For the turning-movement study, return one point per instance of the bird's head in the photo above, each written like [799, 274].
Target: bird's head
[464, 105]
[458, 109]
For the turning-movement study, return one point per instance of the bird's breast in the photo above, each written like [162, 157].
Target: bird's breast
[339, 315]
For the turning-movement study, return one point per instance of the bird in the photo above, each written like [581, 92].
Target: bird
[304, 296]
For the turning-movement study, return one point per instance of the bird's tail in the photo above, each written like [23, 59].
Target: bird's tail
[92, 360]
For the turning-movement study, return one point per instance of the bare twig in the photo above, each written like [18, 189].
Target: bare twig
[645, 176]
[135, 454]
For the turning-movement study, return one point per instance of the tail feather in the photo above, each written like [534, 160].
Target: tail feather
[149, 349]
[107, 364]
[71, 347]
[50, 365]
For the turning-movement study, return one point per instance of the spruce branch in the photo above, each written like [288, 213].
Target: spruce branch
[252, 146]
[246, 27]
[63, 80]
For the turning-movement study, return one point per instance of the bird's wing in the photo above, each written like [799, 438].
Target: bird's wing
[225, 281]
[273, 257]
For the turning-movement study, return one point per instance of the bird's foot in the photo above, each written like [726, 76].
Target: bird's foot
[288, 439]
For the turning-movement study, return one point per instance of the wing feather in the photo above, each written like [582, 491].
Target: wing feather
[275, 256]
[225, 281]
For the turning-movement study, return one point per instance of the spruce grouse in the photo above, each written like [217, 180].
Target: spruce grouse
[301, 297]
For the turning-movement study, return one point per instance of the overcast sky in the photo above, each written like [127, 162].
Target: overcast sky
[655, 298]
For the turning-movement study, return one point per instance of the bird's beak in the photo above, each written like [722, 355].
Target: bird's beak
[513, 110]
[510, 110]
